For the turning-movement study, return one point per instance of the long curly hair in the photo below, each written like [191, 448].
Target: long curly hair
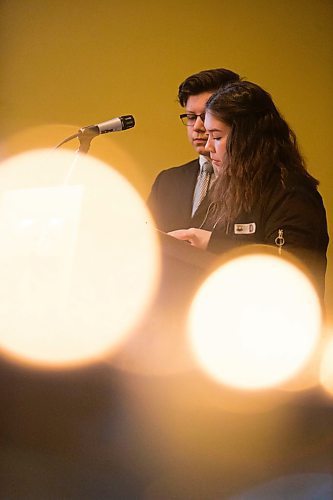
[260, 145]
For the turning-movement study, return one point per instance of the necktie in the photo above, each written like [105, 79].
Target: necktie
[202, 185]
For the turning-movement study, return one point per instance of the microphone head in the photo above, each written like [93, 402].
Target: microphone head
[114, 125]
[127, 121]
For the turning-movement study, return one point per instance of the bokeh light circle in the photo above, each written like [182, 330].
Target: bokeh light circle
[79, 259]
[326, 365]
[255, 321]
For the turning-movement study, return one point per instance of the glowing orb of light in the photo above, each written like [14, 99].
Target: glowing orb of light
[326, 365]
[78, 258]
[255, 321]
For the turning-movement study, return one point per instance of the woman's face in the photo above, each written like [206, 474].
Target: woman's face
[218, 133]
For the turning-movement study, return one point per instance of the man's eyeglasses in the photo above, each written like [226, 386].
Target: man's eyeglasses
[189, 119]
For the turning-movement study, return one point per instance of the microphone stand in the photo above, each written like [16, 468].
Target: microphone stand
[85, 137]
[86, 134]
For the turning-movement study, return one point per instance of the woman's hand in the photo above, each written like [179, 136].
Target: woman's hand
[197, 237]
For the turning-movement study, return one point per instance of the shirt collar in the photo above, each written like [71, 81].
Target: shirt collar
[202, 160]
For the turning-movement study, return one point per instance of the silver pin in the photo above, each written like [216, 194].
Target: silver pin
[279, 240]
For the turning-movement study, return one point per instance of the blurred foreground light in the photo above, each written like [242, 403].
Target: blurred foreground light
[255, 321]
[326, 365]
[107, 148]
[78, 258]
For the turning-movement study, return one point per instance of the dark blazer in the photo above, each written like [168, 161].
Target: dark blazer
[170, 199]
[297, 209]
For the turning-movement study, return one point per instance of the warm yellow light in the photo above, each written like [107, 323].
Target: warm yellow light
[326, 365]
[78, 257]
[255, 321]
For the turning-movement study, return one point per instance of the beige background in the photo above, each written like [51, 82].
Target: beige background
[69, 64]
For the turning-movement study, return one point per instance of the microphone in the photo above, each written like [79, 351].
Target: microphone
[114, 125]
[86, 134]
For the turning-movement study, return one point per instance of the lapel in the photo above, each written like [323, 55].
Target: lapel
[186, 189]
[200, 214]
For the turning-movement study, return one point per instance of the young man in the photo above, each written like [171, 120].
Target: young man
[178, 192]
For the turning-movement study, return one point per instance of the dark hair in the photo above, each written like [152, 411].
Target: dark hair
[260, 144]
[209, 80]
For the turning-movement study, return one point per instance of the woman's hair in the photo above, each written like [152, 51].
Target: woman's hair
[260, 145]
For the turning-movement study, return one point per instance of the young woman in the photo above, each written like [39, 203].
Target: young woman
[263, 193]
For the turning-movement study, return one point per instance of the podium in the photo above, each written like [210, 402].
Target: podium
[149, 425]
[160, 345]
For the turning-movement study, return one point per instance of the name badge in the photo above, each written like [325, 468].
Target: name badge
[245, 228]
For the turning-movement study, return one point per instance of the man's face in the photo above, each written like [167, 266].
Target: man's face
[197, 133]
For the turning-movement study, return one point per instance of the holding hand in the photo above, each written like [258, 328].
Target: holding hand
[196, 237]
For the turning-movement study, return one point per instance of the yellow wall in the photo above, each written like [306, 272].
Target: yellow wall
[67, 64]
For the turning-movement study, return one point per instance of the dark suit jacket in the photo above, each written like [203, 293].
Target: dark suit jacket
[170, 199]
[297, 209]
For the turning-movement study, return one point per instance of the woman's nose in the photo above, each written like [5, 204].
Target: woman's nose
[209, 145]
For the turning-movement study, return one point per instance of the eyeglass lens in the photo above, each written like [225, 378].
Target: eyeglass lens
[189, 119]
